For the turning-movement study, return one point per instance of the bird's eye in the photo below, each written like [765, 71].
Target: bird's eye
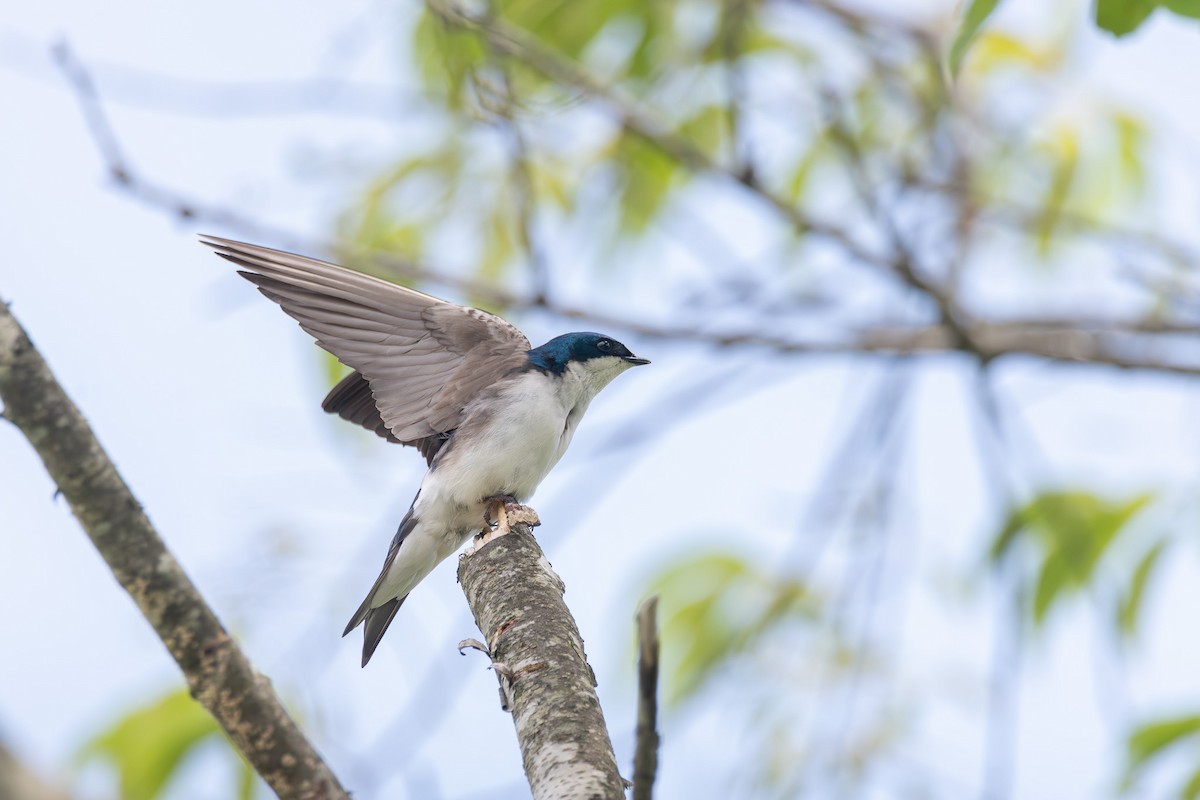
[604, 345]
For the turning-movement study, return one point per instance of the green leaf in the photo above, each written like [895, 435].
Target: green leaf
[973, 18]
[1131, 604]
[1131, 142]
[1003, 542]
[1184, 8]
[994, 49]
[1120, 17]
[571, 27]
[1066, 161]
[148, 745]
[647, 176]
[499, 246]
[1070, 531]
[1079, 524]
[448, 58]
[816, 152]
[1191, 789]
[1054, 578]
[715, 605]
[1149, 740]
[707, 128]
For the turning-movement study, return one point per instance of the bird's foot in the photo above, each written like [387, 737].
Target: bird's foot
[506, 512]
[495, 513]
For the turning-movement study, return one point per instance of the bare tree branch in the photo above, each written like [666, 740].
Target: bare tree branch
[219, 676]
[1118, 343]
[241, 98]
[19, 782]
[958, 329]
[528, 50]
[545, 680]
[645, 755]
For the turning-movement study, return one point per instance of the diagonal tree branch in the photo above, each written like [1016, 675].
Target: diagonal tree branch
[19, 782]
[219, 676]
[545, 680]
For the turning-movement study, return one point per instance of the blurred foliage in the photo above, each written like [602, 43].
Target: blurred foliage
[715, 607]
[1118, 17]
[150, 744]
[1066, 536]
[975, 14]
[785, 651]
[732, 80]
[1153, 740]
[843, 120]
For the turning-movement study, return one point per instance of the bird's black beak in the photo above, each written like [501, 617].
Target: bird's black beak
[635, 361]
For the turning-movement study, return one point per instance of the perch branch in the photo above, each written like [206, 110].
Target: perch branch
[538, 656]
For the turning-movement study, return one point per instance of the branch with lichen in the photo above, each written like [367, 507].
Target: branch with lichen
[545, 681]
[219, 675]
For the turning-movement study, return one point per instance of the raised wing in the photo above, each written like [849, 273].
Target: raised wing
[424, 359]
[352, 400]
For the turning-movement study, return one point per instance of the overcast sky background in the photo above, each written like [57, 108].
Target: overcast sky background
[207, 397]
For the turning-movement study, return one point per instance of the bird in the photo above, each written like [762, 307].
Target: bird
[490, 414]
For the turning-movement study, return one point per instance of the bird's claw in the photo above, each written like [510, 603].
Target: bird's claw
[495, 506]
[508, 512]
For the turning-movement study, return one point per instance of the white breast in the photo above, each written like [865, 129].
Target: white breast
[525, 434]
[508, 442]
[510, 439]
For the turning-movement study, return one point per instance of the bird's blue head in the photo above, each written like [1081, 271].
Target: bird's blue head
[557, 354]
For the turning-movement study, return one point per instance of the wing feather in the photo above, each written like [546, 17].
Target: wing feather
[422, 359]
[352, 401]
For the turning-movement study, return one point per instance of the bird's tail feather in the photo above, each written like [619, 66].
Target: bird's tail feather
[379, 617]
[361, 614]
[377, 622]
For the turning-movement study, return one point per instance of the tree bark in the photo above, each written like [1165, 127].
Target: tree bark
[545, 680]
[218, 673]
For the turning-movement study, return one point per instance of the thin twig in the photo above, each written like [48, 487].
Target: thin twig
[645, 756]
[523, 186]
[93, 113]
[733, 27]
[904, 263]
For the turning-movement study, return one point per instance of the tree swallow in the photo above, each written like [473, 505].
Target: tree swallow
[490, 414]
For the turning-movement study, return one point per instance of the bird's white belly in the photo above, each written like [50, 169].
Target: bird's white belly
[508, 442]
[507, 454]
[507, 448]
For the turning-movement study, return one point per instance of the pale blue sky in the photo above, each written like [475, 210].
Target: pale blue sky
[208, 400]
